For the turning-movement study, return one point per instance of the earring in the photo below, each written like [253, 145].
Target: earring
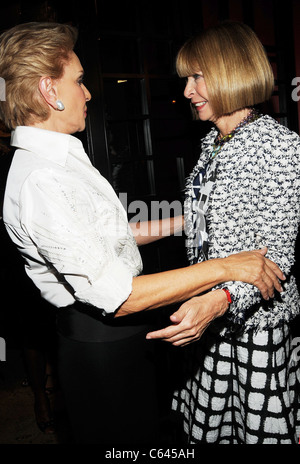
[60, 105]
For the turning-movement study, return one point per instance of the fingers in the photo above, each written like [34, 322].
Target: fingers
[271, 265]
[165, 333]
[171, 330]
[181, 332]
[266, 285]
[266, 274]
[268, 280]
[263, 251]
[274, 278]
[184, 341]
[275, 269]
[174, 336]
[265, 289]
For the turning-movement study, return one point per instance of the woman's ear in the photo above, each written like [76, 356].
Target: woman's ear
[48, 91]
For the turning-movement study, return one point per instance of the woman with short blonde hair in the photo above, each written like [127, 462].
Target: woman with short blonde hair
[235, 65]
[45, 49]
[243, 385]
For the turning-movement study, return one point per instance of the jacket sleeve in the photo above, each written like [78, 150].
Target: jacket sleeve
[260, 208]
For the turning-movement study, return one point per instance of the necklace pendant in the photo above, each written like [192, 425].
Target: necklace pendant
[215, 151]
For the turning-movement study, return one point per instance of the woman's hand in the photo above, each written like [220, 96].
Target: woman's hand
[192, 318]
[254, 268]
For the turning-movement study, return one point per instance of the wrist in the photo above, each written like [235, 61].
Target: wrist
[224, 269]
[228, 295]
[223, 301]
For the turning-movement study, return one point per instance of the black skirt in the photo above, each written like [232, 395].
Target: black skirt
[107, 372]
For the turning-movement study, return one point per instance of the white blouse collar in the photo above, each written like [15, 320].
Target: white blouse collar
[51, 145]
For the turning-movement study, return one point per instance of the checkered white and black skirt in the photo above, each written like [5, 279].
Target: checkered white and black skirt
[245, 389]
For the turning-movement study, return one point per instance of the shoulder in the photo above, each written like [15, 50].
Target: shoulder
[271, 143]
[27, 165]
[267, 128]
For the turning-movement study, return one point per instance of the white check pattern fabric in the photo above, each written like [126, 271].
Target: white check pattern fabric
[242, 394]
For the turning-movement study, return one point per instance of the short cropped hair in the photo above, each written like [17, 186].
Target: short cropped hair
[234, 64]
[28, 52]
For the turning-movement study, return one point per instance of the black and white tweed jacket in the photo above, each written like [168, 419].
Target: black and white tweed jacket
[254, 202]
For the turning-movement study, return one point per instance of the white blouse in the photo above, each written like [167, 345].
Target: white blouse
[68, 223]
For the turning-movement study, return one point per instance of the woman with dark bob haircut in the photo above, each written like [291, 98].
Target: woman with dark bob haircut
[243, 386]
[79, 250]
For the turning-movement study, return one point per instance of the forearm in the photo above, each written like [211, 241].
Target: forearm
[165, 288]
[150, 231]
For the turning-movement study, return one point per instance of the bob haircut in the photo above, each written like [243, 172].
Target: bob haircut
[28, 52]
[234, 64]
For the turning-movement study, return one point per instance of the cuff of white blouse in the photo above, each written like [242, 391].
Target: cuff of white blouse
[110, 290]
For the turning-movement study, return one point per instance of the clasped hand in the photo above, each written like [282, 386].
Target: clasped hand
[192, 319]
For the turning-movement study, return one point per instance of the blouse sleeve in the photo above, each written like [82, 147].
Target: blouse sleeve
[73, 234]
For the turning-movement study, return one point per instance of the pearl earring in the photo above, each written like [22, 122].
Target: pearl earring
[60, 105]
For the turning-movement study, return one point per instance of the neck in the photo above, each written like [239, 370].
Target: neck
[227, 123]
[55, 123]
[48, 125]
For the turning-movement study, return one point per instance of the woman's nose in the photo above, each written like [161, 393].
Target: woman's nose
[189, 89]
[88, 96]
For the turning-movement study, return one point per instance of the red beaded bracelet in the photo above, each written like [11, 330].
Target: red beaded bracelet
[229, 299]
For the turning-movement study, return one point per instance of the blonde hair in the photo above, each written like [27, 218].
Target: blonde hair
[28, 52]
[234, 63]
